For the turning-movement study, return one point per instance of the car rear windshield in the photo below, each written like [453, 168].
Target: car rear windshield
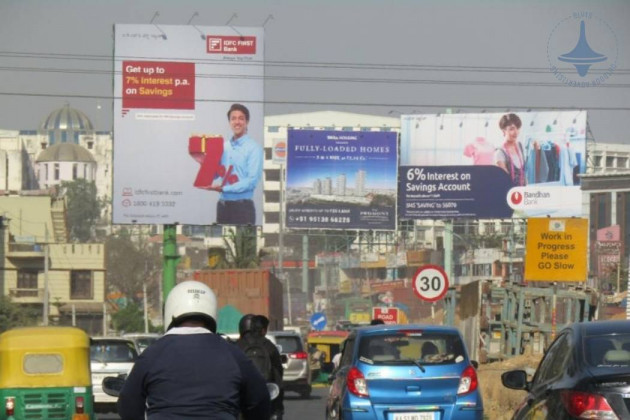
[289, 344]
[607, 350]
[113, 352]
[144, 342]
[413, 346]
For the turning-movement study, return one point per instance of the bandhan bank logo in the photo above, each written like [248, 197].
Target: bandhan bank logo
[223, 44]
[516, 198]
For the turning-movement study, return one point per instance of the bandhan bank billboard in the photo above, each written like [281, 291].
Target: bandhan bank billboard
[498, 165]
[174, 161]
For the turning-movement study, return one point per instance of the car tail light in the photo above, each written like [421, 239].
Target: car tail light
[357, 385]
[9, 406]
[468, 381]
[79, 405]
[584, 405]
[300, 355]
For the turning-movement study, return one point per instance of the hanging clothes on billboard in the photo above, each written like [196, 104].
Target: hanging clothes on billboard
[480, 151]
[536, 167]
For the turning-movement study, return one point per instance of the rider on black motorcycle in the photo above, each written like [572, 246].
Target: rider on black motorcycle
[191, 372]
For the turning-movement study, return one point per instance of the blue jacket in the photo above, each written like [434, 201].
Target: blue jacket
[191, 373]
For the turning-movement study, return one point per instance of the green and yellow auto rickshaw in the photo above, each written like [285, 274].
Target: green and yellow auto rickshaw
[323, 346]
[45, 374]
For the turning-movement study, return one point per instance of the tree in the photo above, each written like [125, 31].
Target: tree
[241, 247]
[130, 319]
[16, 315]
[84, 208]
[129, 265]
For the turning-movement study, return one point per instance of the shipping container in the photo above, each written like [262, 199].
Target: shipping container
[245, 292]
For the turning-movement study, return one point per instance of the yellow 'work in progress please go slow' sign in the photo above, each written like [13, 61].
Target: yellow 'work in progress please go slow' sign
[556, 250]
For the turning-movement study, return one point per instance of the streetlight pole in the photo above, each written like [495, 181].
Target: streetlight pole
[285, 279]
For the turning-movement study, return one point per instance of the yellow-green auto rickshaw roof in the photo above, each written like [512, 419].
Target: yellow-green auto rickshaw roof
[36, 357]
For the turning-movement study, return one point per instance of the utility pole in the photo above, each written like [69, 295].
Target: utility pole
[448, 268]
[4, 223]
[144, 305]
[285, 279]
[305, 263]
[46, 256]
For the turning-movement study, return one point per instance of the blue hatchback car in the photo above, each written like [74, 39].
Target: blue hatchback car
[404, 372]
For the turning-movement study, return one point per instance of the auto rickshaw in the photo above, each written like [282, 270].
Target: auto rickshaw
[45, 374]
[323, 346]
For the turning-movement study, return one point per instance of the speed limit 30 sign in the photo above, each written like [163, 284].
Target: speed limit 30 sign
[430, 283]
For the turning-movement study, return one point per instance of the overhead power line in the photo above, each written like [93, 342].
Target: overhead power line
[322, 79]
[306, 64]
[335, 103]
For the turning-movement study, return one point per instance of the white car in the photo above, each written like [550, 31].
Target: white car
[109, 356]
[142, 340]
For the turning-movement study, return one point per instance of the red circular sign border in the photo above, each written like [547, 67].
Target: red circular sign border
[435, 267]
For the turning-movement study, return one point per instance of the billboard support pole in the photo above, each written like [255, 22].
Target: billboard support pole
[171, 258]
[554, 322]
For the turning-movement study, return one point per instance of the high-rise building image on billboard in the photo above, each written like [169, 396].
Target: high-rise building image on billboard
[360, 188]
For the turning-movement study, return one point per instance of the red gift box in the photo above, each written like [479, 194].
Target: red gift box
[207, 151]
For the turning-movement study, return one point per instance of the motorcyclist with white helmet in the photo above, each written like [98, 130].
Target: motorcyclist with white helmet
[191, 372]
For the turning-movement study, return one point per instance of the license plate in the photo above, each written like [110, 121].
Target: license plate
[414, 416]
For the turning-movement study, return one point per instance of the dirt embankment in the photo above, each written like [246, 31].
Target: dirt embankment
[500, 402]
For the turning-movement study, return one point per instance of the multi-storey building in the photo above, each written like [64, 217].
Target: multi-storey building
[33, 231]
[606, 189]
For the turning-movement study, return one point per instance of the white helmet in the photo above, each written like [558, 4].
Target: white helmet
[191, 299]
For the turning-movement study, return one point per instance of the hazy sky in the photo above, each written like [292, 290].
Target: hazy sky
[368, 56]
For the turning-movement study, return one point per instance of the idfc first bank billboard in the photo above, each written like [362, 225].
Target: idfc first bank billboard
[174, 158]
[498, 165]
[341, 179]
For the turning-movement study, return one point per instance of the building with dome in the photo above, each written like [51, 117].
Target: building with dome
[66, 125]
[63, 162]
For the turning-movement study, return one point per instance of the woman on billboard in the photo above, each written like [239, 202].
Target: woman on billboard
[510, 156]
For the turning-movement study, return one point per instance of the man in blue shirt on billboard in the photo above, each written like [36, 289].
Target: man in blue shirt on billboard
[242, 162]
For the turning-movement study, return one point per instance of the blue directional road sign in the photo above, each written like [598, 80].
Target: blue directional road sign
[318, 321]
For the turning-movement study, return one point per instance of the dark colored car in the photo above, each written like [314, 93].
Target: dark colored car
[585, 374]
[404, 372]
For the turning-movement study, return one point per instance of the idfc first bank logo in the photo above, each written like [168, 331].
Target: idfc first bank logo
[582, 50]
[223, 44]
